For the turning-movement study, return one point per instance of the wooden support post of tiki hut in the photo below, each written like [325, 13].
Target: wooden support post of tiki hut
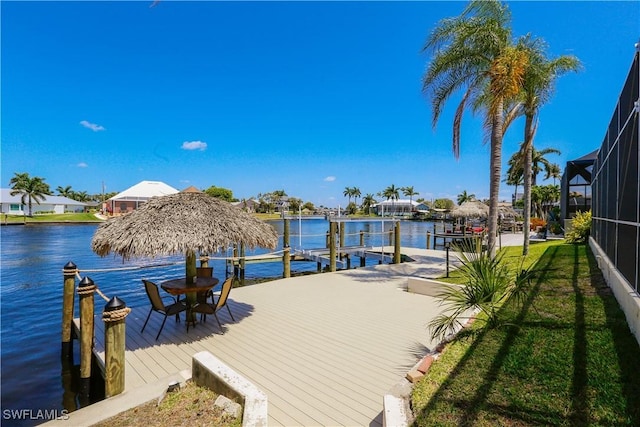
[285, 236]
[68, 296]
[396, 246]
[113, 315]
[332, 246]
[286, 261]
[243, 263]
[86, 289]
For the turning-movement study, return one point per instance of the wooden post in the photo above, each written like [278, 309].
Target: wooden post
[428, 240]
[190, 268]
[319, 267]
[361, 238]
[286, 261]
[396, 245]
[348, 257]
[327, 240]
[86, 288]
[285, 237]
[243, 264]
[363, 260]
[204, 260]
[68, 296]
[341, 237]
[114, 315]
[236, 263]
[332, 246]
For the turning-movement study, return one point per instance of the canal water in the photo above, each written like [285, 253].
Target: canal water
[34, 384]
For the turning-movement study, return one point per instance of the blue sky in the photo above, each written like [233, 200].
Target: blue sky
[307, 97]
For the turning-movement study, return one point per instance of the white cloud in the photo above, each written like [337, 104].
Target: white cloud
[83, 165]
[94, 127]
[330, 179]
[194, 145]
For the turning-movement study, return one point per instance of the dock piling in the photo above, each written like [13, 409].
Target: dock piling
[286, 260]
[68, 297]
[332, 246]
[86, 288]
[396, 246]
[113, 316]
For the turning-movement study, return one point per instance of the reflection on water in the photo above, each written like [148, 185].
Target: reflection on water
[32, 258]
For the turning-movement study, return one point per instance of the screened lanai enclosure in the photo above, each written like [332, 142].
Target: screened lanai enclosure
[576, 185]
[616, 184]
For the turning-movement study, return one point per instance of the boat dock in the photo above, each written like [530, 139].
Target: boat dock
[325, 348]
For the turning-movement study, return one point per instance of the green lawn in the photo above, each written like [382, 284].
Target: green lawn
[67, 217]
[568, 360]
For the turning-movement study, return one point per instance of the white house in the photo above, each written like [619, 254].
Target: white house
[12, 205]
[400, 207]
[132, 197]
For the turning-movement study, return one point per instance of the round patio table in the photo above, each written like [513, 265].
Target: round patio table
[182, 286]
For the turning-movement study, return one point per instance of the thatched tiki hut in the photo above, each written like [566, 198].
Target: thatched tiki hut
[471, 209]
[183, 223]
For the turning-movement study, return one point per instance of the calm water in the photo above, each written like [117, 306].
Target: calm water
[32, 259]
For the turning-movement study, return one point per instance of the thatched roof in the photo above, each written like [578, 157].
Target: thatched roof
[471, 209]
[507, 211]
[181, 223]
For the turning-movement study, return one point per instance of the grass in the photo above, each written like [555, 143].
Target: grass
[190, 406]
[43, 218]
[568, 360]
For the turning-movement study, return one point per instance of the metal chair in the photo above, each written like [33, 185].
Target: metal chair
[158, 305]
[206, 308]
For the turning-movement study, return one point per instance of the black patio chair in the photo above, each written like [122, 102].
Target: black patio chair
[158, 305]
[206, 308]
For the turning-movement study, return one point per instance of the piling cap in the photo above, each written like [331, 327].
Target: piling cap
[86, 281]
[70, 266]
[115, 303]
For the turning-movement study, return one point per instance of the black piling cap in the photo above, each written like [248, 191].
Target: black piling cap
[115, 303]
[70, 266]
[86, 281]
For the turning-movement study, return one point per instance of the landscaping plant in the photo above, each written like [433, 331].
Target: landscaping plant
[581, 228]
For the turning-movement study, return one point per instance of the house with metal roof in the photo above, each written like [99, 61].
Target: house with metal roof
[400, 207]
[12, 205]
[132, 197]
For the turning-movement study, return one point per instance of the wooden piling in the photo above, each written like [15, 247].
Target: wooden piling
[361, 238]
[86, 288]
[428, 240]
[114, 315]
[332, 246]
[286, 261]
[285, 236]
[68, 297]
[396, 245]
[243, 263]
[341, 245]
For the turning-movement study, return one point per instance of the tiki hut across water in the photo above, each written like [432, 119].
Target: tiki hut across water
[183, 223]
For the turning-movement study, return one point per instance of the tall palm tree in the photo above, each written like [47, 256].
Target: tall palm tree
[474, 53]
[355, 191]
[348, 192]
[553, 171]
[367, 201]
[515, 173]
[31, 189]
[392, 192]
[464, 197]
[537, 88]
[65, 191]
[409, 192]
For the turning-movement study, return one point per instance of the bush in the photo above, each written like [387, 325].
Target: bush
[581, 228]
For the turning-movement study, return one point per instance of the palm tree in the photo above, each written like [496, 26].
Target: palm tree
[392, 192]
[515, 173]
[409, 192]
[553, 171]
[538, 86]
[464, 197]
[474, 53]
[367, 201]
[31, 189]
[65, 191]
[348, 192]
[355, 192]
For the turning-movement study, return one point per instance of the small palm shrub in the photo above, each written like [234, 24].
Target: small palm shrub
[581, 228]
[487, 285]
